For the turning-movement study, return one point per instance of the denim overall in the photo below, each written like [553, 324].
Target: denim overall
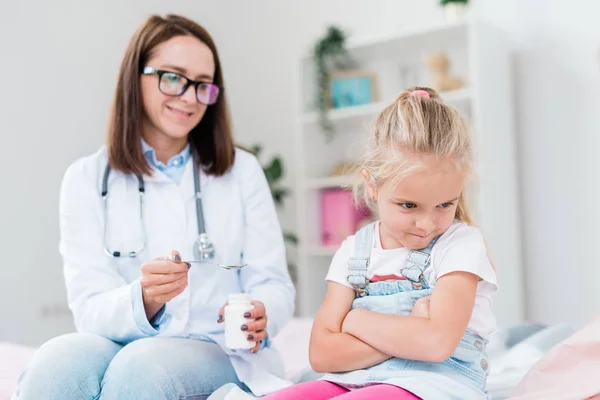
[461, 377]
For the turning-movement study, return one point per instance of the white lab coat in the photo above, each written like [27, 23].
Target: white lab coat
[104, 294]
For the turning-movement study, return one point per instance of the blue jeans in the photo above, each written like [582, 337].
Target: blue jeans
[85, 366]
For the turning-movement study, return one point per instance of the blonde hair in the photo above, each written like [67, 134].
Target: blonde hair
[418, 122]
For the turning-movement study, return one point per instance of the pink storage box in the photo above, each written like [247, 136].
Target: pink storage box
[339, 216]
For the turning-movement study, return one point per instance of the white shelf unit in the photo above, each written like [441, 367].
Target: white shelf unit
[480, 55]
[457, 97]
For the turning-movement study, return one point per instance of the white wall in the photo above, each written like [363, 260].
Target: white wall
[46, 123]
[557, 97]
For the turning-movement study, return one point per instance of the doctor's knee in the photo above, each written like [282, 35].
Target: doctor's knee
[68, 366]
[136, 372]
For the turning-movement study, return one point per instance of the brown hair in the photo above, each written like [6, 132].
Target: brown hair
[211, 139]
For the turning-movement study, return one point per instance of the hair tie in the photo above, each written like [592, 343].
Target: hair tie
[420, 92]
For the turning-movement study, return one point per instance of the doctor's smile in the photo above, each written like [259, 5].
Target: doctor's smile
[180, 113]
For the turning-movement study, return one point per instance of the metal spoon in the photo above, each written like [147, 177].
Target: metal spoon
[232, 267]
[229, 267]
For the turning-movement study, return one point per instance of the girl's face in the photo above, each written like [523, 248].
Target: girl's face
[420, 207]
[169, 118]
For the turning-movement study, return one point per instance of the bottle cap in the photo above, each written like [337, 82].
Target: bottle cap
[240, 298]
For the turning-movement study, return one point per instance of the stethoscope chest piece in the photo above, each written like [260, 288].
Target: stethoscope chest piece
[205, 250]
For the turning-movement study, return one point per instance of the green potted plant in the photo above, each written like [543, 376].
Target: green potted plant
[274, 172]
[329, 53]
[455, 9]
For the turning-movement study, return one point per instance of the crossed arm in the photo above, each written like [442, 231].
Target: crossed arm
[345, 339]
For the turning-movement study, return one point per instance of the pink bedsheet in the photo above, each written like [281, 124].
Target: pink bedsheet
[13, 359]
[571, 370]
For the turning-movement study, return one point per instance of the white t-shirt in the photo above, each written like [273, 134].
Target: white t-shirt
[460, 248]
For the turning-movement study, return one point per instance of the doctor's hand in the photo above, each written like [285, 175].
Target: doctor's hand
[162, 279]
[255, 330]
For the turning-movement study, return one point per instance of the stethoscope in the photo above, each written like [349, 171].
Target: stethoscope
[204, 249]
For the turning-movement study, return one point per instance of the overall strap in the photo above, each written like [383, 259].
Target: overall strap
[359, 261]
[417, 262]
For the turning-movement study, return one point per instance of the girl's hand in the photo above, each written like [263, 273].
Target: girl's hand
[352, 317]
[421, 308]
[255, 330]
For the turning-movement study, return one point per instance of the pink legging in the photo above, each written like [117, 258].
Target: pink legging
[323, 390]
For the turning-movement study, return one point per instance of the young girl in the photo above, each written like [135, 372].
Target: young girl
[407, 313]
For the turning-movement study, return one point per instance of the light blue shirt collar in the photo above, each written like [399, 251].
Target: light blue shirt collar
[174, 167]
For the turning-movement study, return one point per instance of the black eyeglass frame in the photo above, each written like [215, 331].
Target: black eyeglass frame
[148, 70]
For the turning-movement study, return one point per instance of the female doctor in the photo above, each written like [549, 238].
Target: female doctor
[147, 326]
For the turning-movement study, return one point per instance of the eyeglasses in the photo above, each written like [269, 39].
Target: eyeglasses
[174, 84]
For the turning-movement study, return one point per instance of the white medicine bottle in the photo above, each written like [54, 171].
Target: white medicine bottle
[237, 306]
